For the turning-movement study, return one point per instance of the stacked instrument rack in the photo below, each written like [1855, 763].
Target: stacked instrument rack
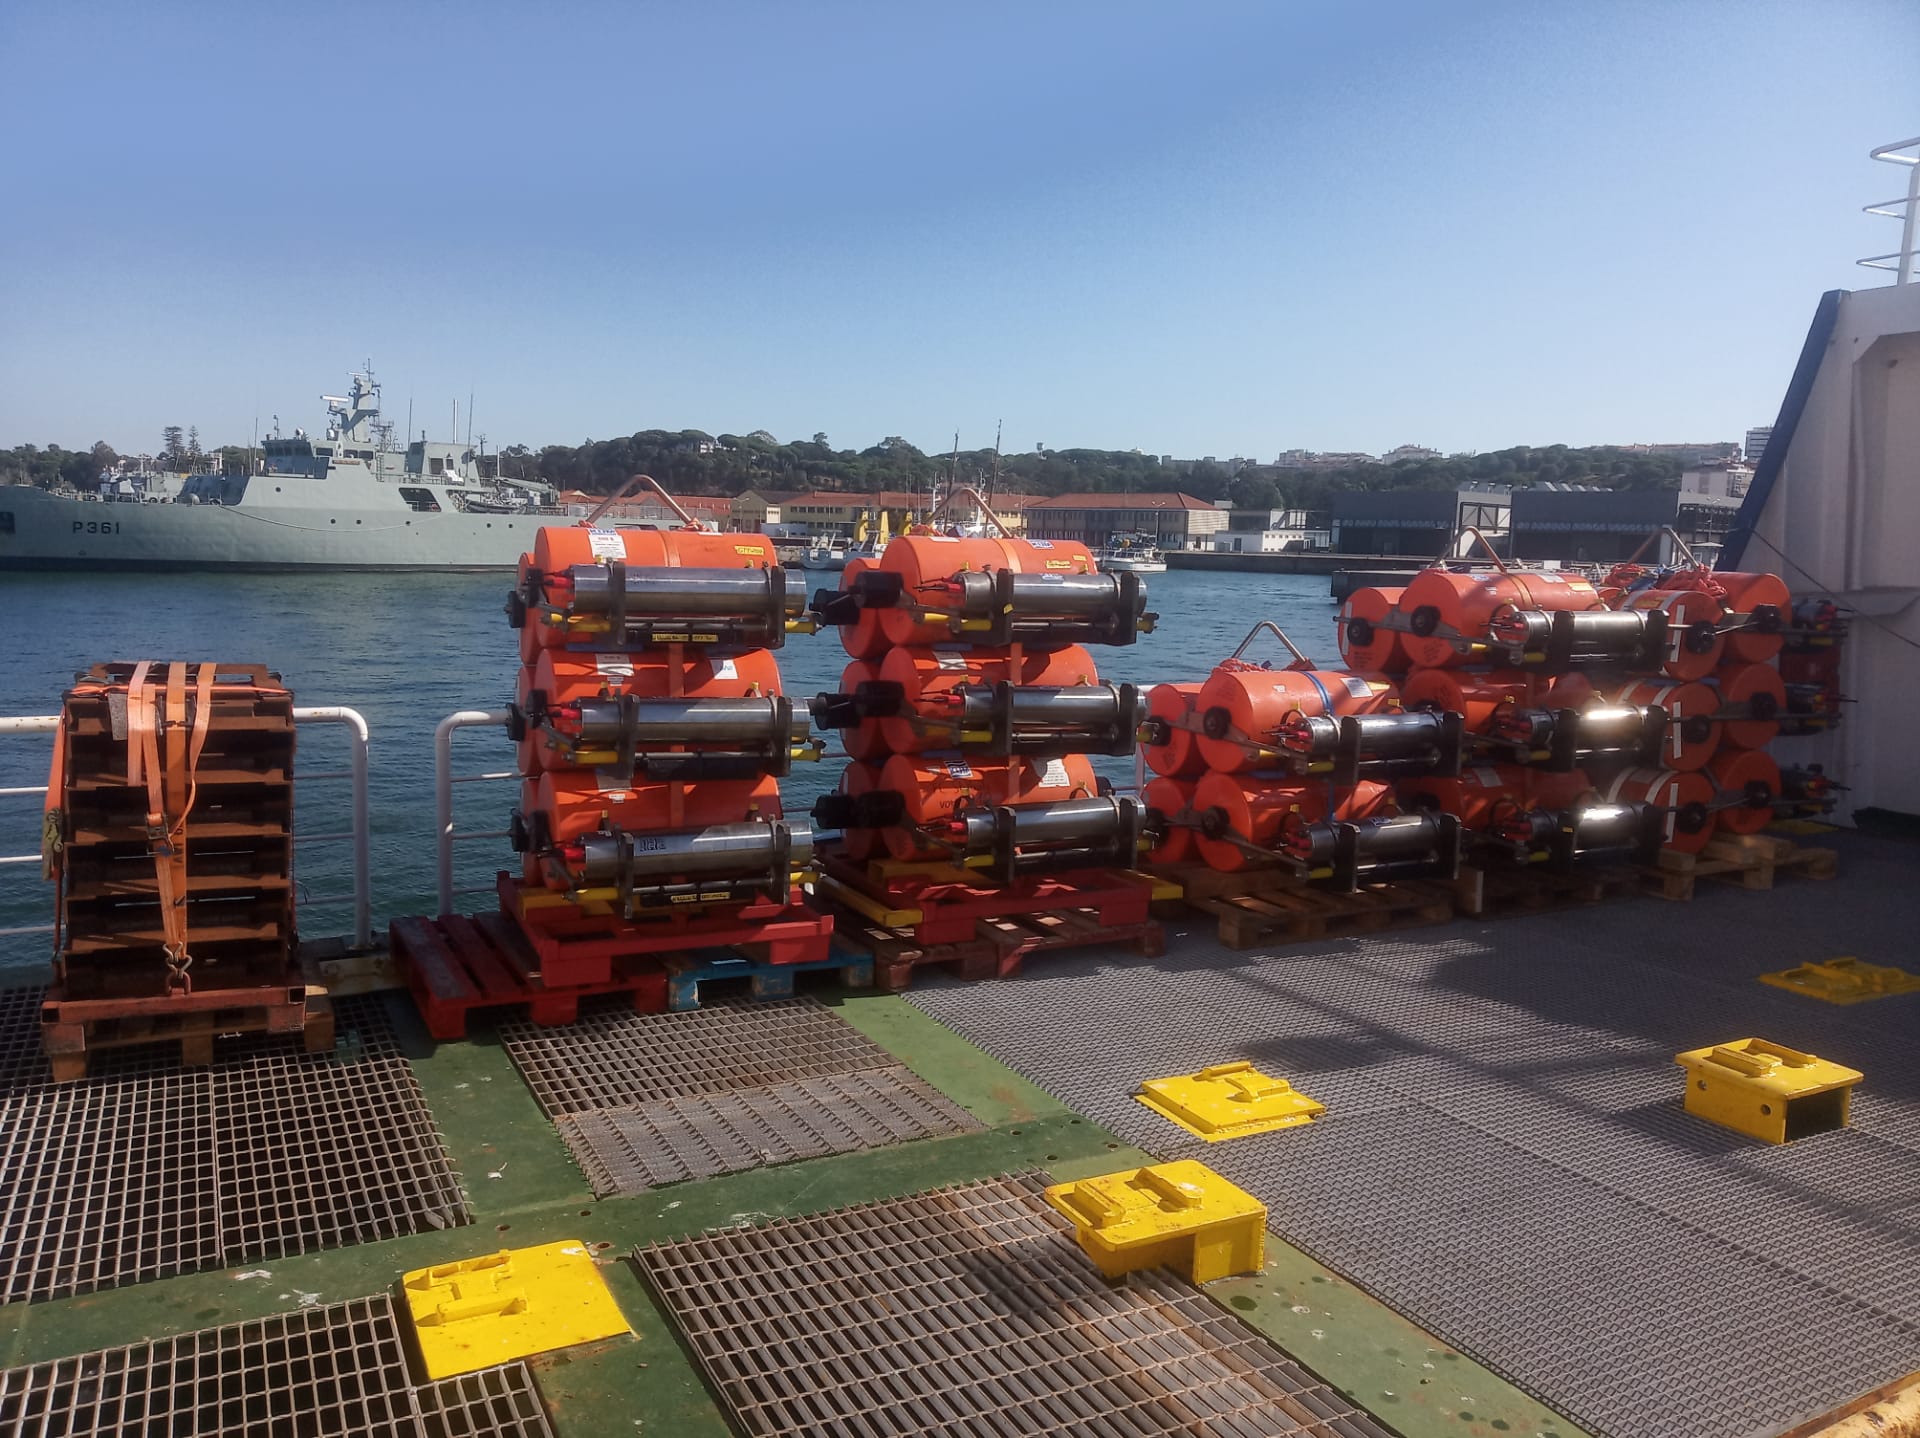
[169, 830]
[973, 829]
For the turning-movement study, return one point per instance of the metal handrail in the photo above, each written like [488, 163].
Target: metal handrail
[1906, 209]
[443, 781]
[358, 834]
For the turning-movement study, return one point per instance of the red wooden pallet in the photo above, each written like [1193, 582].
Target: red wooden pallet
[941, 909]
[453, 965]
[576, 945]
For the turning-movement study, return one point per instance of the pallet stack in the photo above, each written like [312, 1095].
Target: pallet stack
[169, 831]
[973, 831]
[652, 735]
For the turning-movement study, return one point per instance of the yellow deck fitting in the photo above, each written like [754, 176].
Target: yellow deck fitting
[1173, 1215]
[487, 1310]
[1767, 1091]
[1844, 981]
[1228, 1101]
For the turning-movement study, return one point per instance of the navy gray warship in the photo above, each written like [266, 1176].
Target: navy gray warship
[344, 500]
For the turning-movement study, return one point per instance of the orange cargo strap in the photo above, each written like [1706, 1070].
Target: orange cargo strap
[171, 787]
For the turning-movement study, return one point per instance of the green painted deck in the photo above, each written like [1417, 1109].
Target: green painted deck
[526, 1190]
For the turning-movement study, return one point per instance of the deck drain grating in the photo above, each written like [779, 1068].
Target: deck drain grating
[614, 1058]
[629, 1150]
[146, 1169]
[970, 1311]
[493, 1403]
[320, 1371]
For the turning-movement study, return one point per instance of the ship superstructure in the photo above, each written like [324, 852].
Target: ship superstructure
[341, 500]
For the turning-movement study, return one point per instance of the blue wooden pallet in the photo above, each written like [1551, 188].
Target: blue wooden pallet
[765, 981]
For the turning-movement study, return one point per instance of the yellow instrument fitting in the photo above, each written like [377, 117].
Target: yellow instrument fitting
[482, 1311]
[1173, 1215]
[1766, 1090]
[1229, 1101]
[1844, 981]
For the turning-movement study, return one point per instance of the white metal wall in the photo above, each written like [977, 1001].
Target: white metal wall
[1845, 514]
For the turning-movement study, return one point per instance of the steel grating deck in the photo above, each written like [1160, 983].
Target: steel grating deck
[1505, 1158]
[146, 1169]
[614, 1057]
[629, 1150]
[316, 1373]
[970, 1310]
[649, 1099]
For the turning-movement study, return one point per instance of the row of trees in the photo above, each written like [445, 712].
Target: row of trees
[52, 466]
[693, 462]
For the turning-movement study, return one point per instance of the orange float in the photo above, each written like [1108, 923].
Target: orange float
[863, 638]
[1251, 703]
[1440, 602]
[1364, 645]
[1168, 797]
[924, 674]
[1170, 749]
[865, 739]
[857, 779]
[1758, 691]
[1484, 793]
[1475, 695]
[936, 790]
[925, 562]
[1749, 773]
[1692, 734]
[560, 677]
[572, 803]
[1256, 809]
[1687, 798]
[1694, 643]
[1763, 595]
[561, 546]
[1570, 691]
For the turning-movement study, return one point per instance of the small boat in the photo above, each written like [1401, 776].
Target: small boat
[827, 553]
[1132, 554]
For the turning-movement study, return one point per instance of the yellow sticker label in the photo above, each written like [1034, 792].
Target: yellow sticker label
[759, 549]
[1059, 564]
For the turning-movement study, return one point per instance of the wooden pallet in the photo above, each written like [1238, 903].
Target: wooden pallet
[453, 965]
[1751, 861]
[585, 943]
[940, 904]
[1508, 889]
[690, 977]
[73, 1029]
[999, 946]
[1276, 907]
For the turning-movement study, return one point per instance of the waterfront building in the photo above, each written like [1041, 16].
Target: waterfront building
[1175, 521]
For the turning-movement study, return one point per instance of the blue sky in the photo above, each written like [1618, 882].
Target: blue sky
[1194, 229]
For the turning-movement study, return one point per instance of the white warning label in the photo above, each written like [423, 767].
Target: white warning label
[607, 544]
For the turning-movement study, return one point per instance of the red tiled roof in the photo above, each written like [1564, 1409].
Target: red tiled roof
[1121, 501]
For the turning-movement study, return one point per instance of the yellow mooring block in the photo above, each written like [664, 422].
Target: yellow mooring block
[1229, 1100]
[1174, 1215]
[1844, 981]
[482, 1311]
[1767, 1091]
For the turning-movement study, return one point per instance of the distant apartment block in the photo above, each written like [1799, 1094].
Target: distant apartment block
[1757, 438]
[1409, 451]
[1726, 478]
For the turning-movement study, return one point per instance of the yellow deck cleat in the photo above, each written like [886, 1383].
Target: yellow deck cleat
[1229, 1101]
[1175, 1215]
[1844, 981]
[506, 1305]
[1767, 1091]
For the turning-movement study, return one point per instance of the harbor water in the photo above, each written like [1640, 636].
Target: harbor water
[406, 650]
